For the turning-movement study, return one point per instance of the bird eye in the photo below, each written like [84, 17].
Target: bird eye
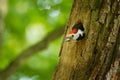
[72, 35]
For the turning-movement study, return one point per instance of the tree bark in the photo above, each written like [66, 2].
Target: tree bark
[92, 57]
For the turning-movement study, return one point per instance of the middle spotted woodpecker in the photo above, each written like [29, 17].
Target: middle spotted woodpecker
[77, 33]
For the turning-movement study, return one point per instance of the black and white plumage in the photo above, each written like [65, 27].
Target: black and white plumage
[77, 33]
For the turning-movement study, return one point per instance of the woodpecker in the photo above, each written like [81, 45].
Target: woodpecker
[77, 33]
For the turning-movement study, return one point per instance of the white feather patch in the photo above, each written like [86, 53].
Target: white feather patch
[75, 36]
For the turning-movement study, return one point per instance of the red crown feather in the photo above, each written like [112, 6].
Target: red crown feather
[74, 31]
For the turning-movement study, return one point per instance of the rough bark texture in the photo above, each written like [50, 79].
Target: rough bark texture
[91, 58]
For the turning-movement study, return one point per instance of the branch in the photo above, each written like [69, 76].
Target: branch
[2, 12]
[14, 65]
[1, 31]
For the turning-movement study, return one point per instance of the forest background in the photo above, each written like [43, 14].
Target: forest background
[25, 24]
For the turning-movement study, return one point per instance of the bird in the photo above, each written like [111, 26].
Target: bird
[77, 33]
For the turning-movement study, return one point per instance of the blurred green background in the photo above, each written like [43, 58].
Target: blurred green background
[26, 23]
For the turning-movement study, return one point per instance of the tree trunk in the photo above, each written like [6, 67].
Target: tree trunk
[93, 57]
[3, 10]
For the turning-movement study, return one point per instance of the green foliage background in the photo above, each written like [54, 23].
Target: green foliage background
[26, 23]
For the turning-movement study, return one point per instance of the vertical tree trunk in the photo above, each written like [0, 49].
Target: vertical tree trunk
[92, 57]
[3, 9]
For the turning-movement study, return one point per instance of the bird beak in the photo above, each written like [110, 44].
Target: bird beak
[68, 38]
